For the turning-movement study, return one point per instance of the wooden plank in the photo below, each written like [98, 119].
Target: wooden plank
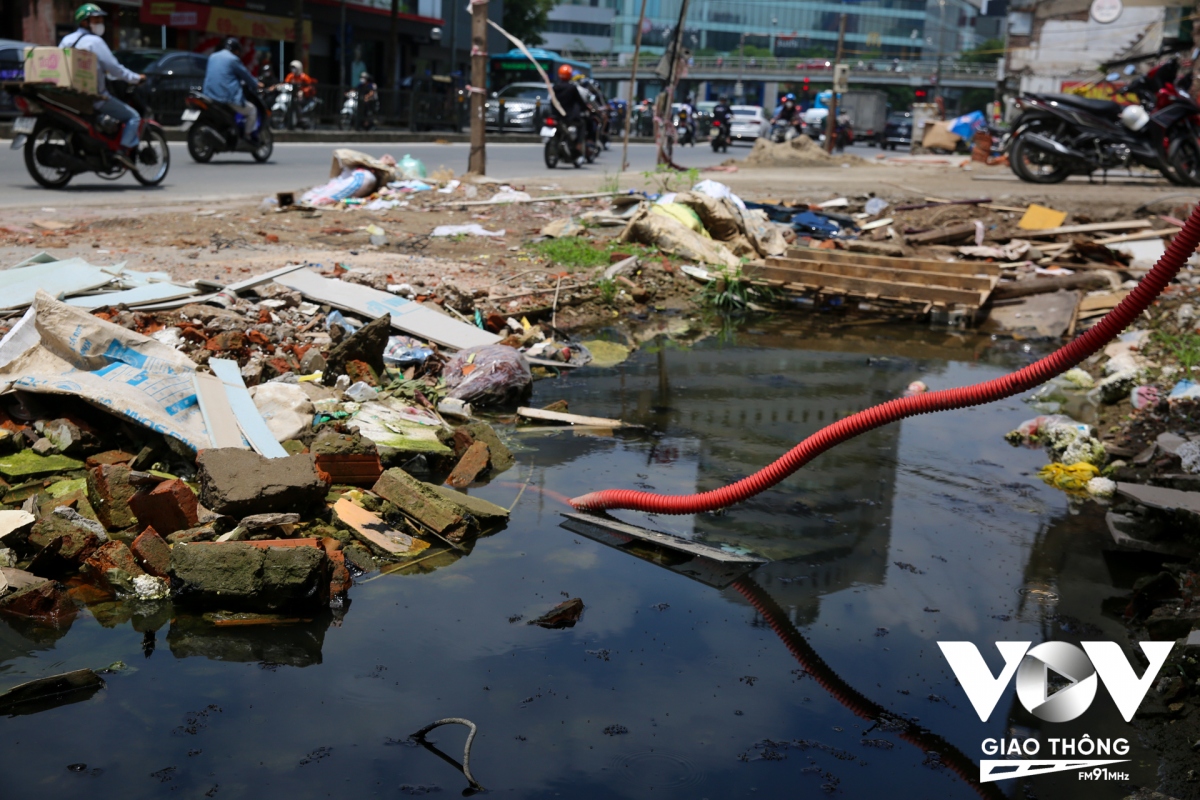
[571, 419]
[408, 316]
[218, 415]
[374, 530]
[667, 540]
[1102, 301]
[950, 233]
[932, 265]
[901, 291]
[952, 280]
[1092, 227]
[1137, 237]
[253, 426]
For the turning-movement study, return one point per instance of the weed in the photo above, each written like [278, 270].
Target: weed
[611, 183]
[578, 252]
[459, 237]
[731, 295]
[608, 290]
[666, 179]
[1184, 346]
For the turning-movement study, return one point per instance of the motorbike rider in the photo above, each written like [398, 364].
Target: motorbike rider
[787, 110]
[89, 37]
[574, 107]
[305, 85]
[227, 81]
[722, 113]
[368, 98]
[688, 115]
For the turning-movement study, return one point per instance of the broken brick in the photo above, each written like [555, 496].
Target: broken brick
[341, 580]
[170, 506]
[473, 462]
[114, 565]
[239, 483]
[46, 603]
[361, 371]
[109, 491]
[110, 457]
[354, 469]
[152, 553]
[420, 503]
[64, 554]
[227, 340]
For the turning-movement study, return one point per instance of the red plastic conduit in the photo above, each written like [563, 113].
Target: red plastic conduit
[1023, 380]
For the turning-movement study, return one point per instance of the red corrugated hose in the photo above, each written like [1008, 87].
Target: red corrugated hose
[1023, 380]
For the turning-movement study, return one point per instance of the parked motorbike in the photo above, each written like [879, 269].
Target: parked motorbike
[1058, 135]
[63, 137]
[218, 128]
[356, 115]
[683, 130]
[558, 140]
[720, 136]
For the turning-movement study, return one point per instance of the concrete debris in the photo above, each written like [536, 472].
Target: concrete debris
[239, 483]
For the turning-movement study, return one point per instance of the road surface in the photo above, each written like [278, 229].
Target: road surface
[302, 165]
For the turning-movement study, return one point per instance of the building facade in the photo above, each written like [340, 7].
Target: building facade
[581, 26]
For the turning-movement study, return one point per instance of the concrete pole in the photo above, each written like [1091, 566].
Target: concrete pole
[637, 52]
[301, 52]
[831, 122]
[477, 164]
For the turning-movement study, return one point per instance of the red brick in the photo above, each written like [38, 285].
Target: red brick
[361, 371]
[47, 603]
[341, 580]
[152, 553]
[110, 457]
[109, 492]
[354, 469]
[112, 555]
[265, 543]
[226, 340]
[64, 553]
[171, 506]
[473, 462]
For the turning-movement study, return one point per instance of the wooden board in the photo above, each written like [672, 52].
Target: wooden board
[218, 415]
[571, 419]
[1092, 227]
[867, 259]
[926, 278]
[249, 420]
[710, 565]
[1048, 315]
[865, 287]
[374, 530]
[408, 316]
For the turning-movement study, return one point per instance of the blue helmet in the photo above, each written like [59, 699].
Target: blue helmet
[791, 96]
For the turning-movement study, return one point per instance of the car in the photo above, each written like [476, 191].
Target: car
[749, 123]
[522, 102]
[12, 68]
[170, 76]
[897, 131]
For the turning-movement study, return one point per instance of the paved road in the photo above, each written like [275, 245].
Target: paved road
[296, 165]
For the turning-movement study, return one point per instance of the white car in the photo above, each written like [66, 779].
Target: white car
[749, 123]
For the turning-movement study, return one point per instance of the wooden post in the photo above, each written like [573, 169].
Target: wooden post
[637, 52]
[477, 164]
[300, 52]
[831, 123]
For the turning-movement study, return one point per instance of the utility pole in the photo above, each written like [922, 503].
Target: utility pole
[739, 88]
[831, 122]
[637, 52]
[301, 52]
[663, 114]
[477, 164]
[342, 37]
[392, 63]
[937, 72]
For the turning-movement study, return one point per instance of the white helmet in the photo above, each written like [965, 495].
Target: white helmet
[1134, 117]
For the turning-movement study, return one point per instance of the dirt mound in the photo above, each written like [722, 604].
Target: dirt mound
[799, 152]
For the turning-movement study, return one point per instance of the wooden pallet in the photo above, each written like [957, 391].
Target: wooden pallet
[906, 281]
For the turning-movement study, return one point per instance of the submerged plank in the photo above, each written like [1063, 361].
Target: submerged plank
[408, 316]
[571, 419]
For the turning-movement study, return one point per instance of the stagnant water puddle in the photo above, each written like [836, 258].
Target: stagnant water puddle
[818, 672]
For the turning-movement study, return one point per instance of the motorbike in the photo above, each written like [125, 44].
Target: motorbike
[558, 140]
[783, 131]
[1058, 135]
[720, 136]
[218, 128]
[290, 110]
[356, 115]
[683, 130]
[63, 137]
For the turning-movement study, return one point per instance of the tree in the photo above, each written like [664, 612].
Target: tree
[526, 19]
[989, 51]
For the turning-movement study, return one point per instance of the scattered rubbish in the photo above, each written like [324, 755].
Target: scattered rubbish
[569, 419]
[488, 375]
[1069, 477]
[419, 736]
[1037, 218]
[374, 531]
[473, 229]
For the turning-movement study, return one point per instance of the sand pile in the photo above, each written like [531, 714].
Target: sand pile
[799, 152]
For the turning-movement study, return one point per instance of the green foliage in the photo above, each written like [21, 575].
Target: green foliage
[579, 252]
[526, 19]
[1185, 347]
[728, 294]
[608, 290]
[989, 51]
[611, 183]
[665, 179]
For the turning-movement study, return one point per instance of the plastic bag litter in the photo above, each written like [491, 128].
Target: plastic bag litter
[511, 196]
[574, 354]
[683, 214]
[411, 185]
[474, 229]
[1189, 457]
[350, 183]
[1143, 396]
[336, 317]
[875, 206]
[1069, 477]
[410, 167]
[1031, 431]
[718, 191]
[489, 375]
[361, 392]
[286, 408]
[404, 351]
[764, 235]
[564, 226]
[669, 235]
[1186, 389]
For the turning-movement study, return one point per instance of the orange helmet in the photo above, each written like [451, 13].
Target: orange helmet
[565, 72]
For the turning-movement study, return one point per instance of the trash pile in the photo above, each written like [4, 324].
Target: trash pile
[250, 451]
[799, 152]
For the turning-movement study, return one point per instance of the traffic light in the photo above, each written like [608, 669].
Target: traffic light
[920, 94]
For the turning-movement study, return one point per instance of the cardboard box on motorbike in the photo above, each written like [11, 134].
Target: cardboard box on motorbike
[67, 67]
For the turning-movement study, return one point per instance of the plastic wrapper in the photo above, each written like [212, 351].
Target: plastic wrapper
[405, 351]
[1069, 477]
[488, 375]
[285, 407]
[1143, 396]
[411, 168]
[350, 183]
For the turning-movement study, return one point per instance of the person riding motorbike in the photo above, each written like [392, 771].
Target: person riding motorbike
[722, 114]
[787, 110]
[227, 81]
[89, 37]
[687, 115]
[574, 108]
[368, 100]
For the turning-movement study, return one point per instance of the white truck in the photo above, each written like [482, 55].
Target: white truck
[868, 110]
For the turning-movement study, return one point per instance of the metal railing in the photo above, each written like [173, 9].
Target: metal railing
[614, 64]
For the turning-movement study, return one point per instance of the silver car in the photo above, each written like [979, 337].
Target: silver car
[522, 103]
[749, 123]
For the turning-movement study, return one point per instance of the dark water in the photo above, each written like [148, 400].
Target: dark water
[930, 530]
